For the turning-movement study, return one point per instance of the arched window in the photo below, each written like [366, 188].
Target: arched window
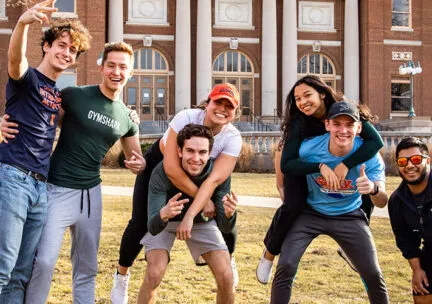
[147, 89]
[319, 65]
[236, 68]
[149, 59]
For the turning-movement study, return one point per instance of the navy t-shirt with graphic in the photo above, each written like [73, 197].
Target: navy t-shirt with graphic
[33, 102]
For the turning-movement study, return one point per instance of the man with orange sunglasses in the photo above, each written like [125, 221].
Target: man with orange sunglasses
[410, 210]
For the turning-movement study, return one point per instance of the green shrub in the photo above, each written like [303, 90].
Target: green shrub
[245, 158]
[111, 157]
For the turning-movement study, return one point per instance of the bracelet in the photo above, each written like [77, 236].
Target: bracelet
[376, 190]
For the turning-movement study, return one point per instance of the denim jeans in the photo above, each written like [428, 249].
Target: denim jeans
[23, 208]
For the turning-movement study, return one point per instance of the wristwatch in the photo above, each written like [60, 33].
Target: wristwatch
[375, 190]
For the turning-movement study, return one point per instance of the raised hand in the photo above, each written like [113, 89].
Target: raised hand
[38, 13]
[136, 163]
[230, 204]
[173, 208]
[364, 185]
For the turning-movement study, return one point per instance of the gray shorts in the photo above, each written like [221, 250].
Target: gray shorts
[205, 237]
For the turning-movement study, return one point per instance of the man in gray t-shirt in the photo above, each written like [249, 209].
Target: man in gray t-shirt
[166, 207]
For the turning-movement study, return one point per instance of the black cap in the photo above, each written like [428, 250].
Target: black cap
[343, 108]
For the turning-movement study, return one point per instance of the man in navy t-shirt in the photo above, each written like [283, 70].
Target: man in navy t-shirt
[33, 101]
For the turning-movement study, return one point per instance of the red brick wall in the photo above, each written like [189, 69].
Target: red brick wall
[376, 64]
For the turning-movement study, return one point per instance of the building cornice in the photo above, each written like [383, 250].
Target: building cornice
[5, 31]
[323, 42]
[154, 37]
[240, 40]
[402, 42]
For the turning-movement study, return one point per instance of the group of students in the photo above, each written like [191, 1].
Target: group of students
[331, 180]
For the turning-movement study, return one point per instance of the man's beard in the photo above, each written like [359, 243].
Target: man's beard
[421, 178]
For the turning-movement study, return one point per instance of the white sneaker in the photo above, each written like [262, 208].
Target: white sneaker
[119, 292]
[343, 255]
[235, 272]
[264, 270]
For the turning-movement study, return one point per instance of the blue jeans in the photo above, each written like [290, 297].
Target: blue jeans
[23, 208]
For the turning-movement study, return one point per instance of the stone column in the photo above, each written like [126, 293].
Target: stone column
[204, 50]
[182, 56]
[289, 48]
[351, 51]
[269, 58]
[115, 21]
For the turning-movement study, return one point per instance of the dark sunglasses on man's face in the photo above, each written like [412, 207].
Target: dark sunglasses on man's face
[415, 160]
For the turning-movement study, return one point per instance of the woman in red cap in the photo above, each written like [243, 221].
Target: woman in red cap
[216, 113]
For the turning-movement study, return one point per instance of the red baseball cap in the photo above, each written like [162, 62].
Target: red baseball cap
[227, 91]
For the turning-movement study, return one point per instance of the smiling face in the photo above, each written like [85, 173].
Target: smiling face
[61, 54]
[219, 113]
[194, 155]
[343, 129]
[115, 71]
[309, 101]
[414, 174]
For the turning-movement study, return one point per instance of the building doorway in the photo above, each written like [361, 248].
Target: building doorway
[235, 67]
[147, 90]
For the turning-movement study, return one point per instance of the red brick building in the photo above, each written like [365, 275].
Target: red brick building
[184, 47]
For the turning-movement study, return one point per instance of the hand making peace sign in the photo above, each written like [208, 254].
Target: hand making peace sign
[38, 13]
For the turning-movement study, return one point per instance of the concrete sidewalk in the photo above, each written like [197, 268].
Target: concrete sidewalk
[244, 200]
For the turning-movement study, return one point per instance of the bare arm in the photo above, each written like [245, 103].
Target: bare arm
[223, 167]
[132, 150]
[380, 200]
[17, 63]
[17, 60]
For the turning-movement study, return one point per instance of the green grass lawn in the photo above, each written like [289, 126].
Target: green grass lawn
[322, 278]
[259, 184]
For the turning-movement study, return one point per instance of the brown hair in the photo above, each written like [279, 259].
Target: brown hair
[117, 47]
[79, 34]
[292, 112]
[194, 130]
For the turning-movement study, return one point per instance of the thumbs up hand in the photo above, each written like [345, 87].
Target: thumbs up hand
[362, 170]
[364, 185]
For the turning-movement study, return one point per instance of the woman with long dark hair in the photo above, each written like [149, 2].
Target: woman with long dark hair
[307, 105]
